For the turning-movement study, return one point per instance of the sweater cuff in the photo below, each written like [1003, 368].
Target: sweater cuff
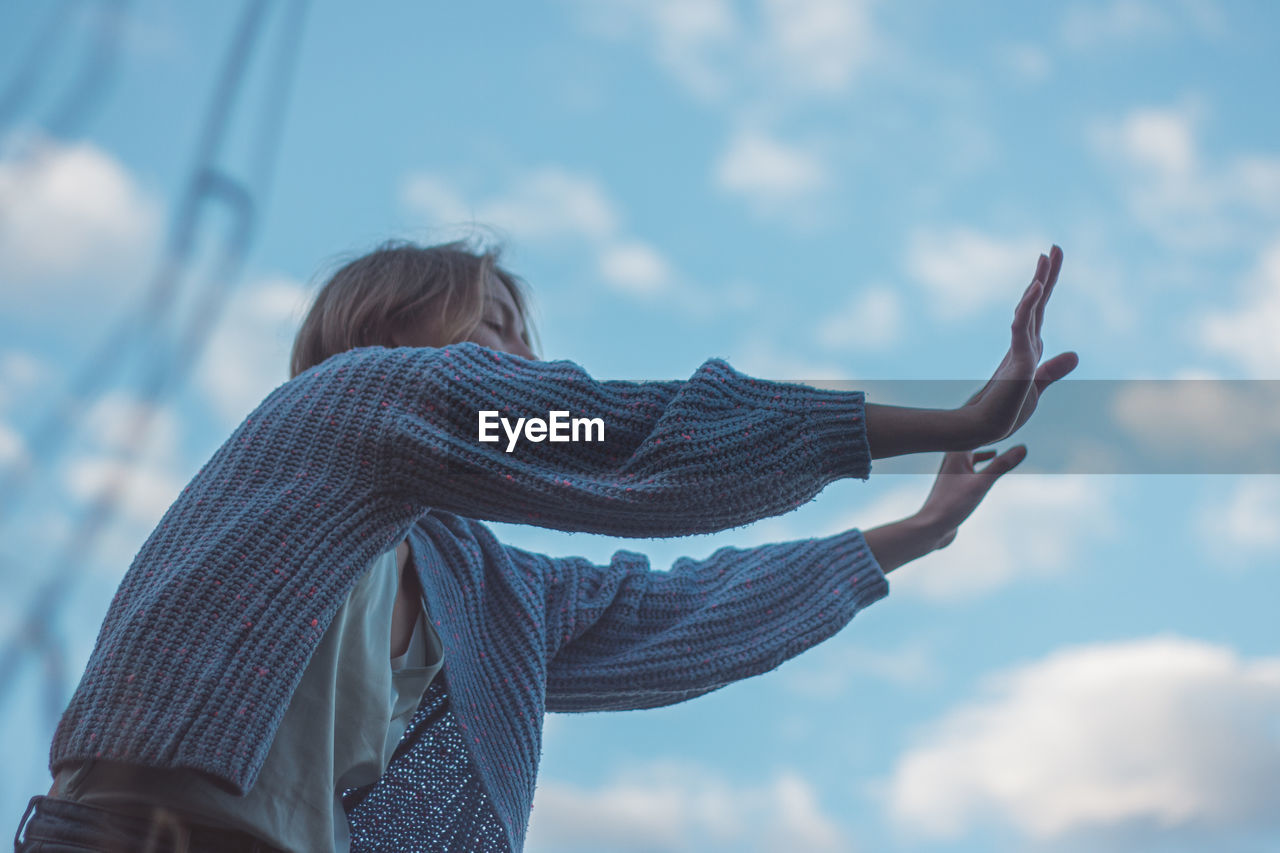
[864, 570]
[836, 423]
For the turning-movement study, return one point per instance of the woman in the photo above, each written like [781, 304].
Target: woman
[323, 647]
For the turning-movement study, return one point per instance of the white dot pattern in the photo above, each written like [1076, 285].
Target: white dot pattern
[429, 798]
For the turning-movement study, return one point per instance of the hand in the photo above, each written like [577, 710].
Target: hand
[959, 488]
[1007, 400]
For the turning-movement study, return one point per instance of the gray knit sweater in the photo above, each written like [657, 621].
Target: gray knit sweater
[220, 610]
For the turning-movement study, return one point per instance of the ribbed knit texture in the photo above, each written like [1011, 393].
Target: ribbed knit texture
[221, 608]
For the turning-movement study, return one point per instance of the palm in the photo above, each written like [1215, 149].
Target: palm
[1006, 402]
[960, 487]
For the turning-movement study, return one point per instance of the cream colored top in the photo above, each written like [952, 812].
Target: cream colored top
[340, 730]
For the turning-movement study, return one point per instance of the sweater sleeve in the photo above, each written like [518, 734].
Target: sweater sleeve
[715, 451]
[625, 637]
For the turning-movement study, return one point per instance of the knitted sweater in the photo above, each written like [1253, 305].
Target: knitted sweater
[218, 613]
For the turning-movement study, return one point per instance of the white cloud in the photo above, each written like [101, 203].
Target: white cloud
[677, 805]
[816, 45]
[690, 39]
[774, 176]
[551, 202]
[1185, 200]
[550, 205]
[1249, 334]
[965, 270]
[635, 267]
[247, 356]
[1246, 519]
[149, 492]
[1214, 421]
[1154, 735]
[791, 47]
[1161, 140]
[435, 198]
[111, 432]
[1028, 526]
[872, 319]
[759, 65]
[73, 222]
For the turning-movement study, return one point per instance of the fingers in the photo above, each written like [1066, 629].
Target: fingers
[1005, 462]
[1024, 317]
[1042, 269]
[1054, 369]
[1051, 279]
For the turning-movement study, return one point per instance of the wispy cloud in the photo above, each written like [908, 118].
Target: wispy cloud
[1249, 333]
[1188, 201]
[553, 206]
[720, 51]
[677, 805]
[873, 318]
[1028, 527]
[755, 63]
[1240, 522]
[964, 269]
[247, 355]
[155, 478]
[547, 203]
[1123, 23]
[816, 46]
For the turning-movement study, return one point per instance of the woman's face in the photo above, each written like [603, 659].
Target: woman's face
[501, 327]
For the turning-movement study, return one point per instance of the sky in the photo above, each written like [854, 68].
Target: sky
[813, 190]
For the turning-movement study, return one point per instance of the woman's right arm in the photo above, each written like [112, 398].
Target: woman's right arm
[715, 451]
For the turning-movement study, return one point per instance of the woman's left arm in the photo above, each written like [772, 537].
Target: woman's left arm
[626, 637]
[623, 636]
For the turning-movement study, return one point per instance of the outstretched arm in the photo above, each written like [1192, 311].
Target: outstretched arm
[626, 637]
[715, 451]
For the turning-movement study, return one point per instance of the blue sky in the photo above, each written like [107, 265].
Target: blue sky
[811, 189]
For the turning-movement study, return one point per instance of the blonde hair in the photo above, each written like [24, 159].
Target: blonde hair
[395, 287]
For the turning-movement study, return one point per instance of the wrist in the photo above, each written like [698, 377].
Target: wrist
[900, 542]
[965, 430]
[928, 528]
[899, 430]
